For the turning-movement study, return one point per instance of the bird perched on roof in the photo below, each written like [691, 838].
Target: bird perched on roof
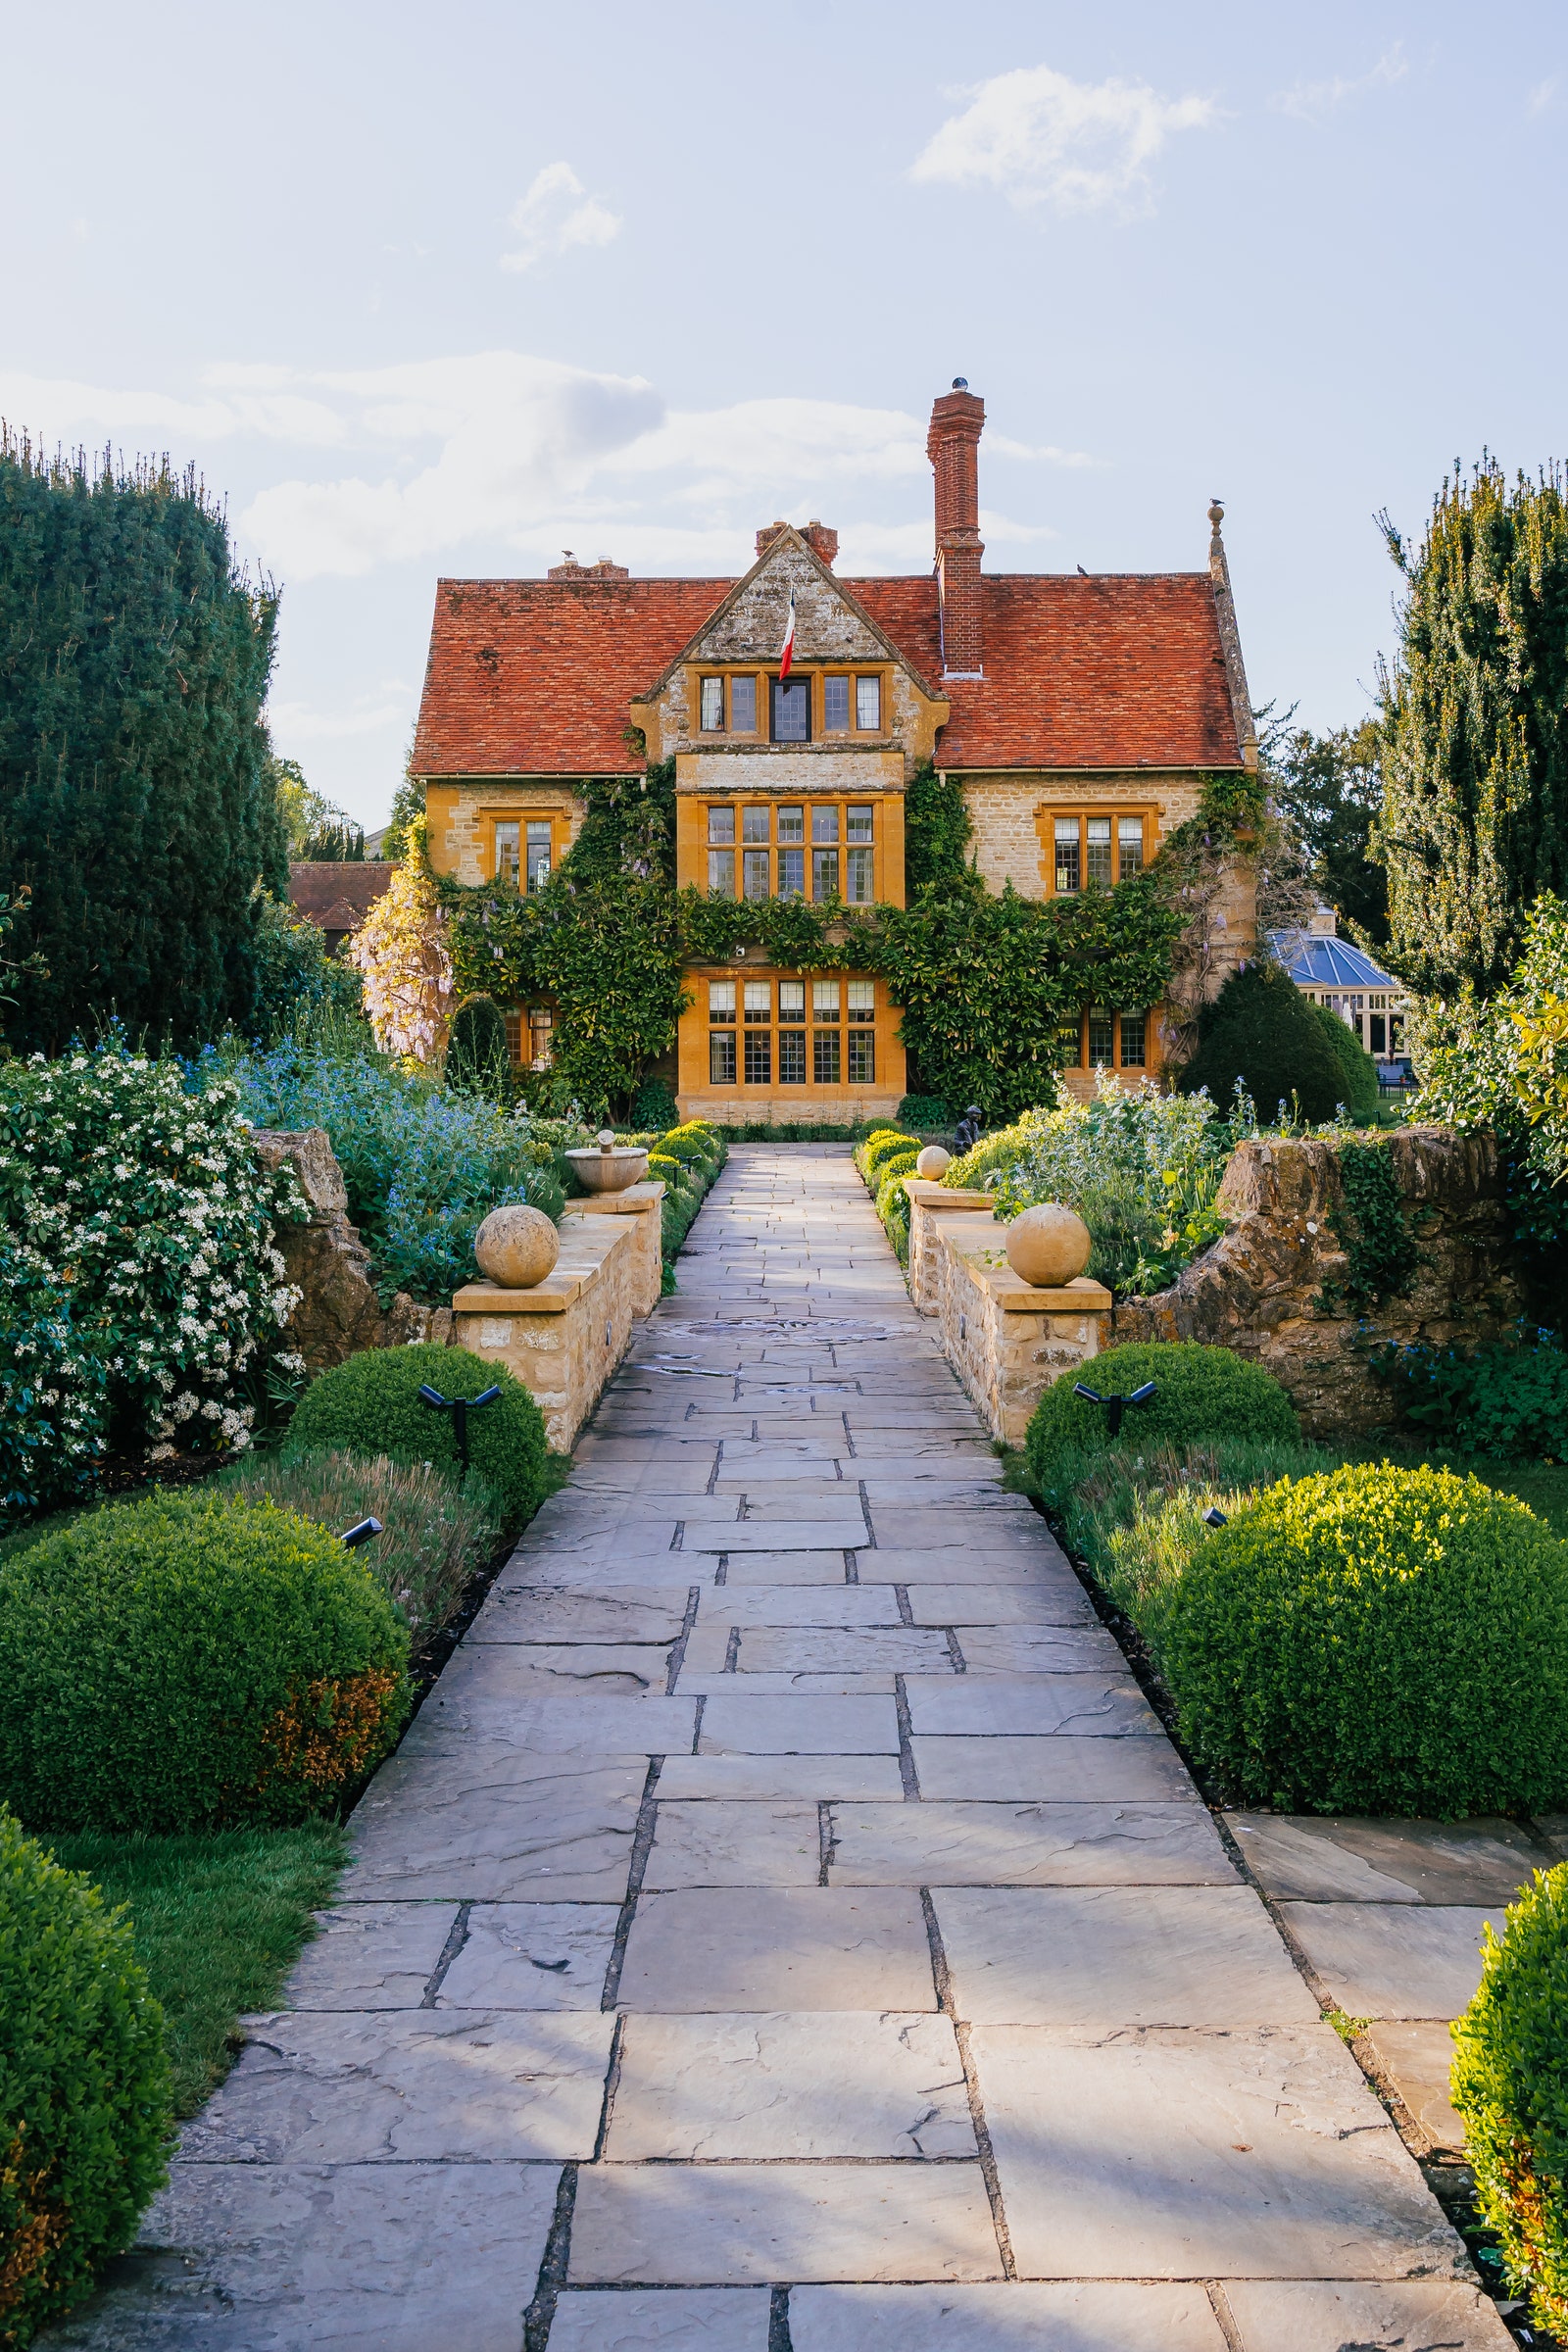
[1082, 573]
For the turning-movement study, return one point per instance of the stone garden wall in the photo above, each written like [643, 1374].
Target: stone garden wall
[1267, 1288]
[1006, 1339]
[339, 1313]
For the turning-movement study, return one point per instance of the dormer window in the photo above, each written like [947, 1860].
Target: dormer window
[1089, 848]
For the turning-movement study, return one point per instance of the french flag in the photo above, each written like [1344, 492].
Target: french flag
[786, 659]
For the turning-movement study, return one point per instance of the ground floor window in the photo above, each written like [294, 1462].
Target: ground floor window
[783, 1032]
[1101, 1038]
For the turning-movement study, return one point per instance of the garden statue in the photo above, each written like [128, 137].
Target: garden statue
[971, 1129]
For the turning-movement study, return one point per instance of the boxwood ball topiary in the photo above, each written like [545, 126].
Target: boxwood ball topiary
[372, 1406]
[1378, 1640]
[1511, 2084]
[1198, 1393]
[84, 2090]
[190, 1660]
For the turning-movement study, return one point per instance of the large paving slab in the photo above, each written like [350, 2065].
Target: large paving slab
[786, 1908]
[1256, 2153]
[815, 2084]
[1393, 1960]
[1023, 2316]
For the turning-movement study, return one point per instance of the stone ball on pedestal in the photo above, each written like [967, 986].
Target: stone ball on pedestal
[933, 1163]
[1049, 1246]
[516, 1246]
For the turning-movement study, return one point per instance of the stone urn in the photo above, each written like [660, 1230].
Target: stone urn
[933, 1163]
[516, 1246]
[610, 1168]
[1049, 1246]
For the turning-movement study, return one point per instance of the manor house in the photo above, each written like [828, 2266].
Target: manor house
[1081, 714]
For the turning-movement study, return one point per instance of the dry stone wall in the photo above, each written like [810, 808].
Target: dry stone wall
[1269, 1287]
[339, 1313]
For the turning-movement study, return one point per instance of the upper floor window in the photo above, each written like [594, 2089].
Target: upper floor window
[869, 705]
[1095, 849]
[523, 851]
[792, 709]
[835, 705]
[740, 715]
[842, 694]
[1100, 1039]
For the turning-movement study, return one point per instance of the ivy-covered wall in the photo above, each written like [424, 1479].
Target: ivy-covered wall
[985, 981]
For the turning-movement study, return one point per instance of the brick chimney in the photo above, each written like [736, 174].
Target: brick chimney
[957, 420]
[823, 542]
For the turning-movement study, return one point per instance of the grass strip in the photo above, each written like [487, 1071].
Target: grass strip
[219, 1920]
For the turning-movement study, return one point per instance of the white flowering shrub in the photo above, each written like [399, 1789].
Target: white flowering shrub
[51, 1389]
[143, 1238]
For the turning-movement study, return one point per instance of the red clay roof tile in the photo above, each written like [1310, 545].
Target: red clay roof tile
[534, 677]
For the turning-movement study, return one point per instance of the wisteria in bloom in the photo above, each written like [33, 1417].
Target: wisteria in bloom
[401, 950]
[143, 1232]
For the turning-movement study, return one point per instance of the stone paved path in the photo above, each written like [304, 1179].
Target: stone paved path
[787, 1929]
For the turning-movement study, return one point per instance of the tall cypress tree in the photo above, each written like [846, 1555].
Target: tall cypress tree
[1474, 825]
[134, 800]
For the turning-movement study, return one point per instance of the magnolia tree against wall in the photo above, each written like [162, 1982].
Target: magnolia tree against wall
[401, 951]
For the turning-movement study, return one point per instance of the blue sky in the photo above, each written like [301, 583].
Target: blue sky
[446, 291]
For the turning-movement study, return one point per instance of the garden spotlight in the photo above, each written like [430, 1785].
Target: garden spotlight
[1214, 1517]
[360, 1532]
[460, 1407]
[1114, 1406]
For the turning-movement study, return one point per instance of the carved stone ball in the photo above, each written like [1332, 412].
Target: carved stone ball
[1047, 1245]
[516, 1246]
[933, 1163]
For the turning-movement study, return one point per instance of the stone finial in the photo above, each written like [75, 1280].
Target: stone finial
[516, 1246]
[1216, 513]
[1047, 1245]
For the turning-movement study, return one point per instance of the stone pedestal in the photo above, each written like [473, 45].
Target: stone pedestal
[564, 1338]
[1007, 1341]
[643, 1202]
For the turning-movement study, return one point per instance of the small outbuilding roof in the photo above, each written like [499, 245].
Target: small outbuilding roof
[1315, 961]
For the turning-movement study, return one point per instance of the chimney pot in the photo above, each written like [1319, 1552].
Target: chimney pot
[957, 420]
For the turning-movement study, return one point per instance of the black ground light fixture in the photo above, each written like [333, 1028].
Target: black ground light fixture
[460, 1407]
[1216, 1517]
[1115, 1406]
[360, 1532]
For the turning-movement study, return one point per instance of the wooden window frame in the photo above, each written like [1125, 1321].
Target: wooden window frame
[1046, 815]
[1149, 1066]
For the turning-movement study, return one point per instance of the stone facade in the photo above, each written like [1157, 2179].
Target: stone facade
[1261, 1289]
[339, 1313]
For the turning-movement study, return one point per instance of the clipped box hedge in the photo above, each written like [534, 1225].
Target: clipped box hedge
[1377, 1640]
[372, 1406]
[84, 2086]
[191, 1660]
[1198, 1393]
[1510, 2084]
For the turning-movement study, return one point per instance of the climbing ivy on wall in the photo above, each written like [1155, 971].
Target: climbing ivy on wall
[985, 983]
[1370, 1228]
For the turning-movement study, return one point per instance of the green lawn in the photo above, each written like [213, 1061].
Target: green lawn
[218, 1920]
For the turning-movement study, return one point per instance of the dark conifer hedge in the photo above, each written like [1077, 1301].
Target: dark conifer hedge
[134, 802]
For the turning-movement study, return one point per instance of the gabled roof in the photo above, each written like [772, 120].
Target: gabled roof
[337, 894]
[537, 677]
[1313, 961]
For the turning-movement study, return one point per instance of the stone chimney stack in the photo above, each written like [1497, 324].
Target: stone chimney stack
[957, 420]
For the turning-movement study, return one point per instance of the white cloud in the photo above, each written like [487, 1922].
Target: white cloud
[499, 451]
[256, 402]
[556, 214]
[1311, 101]
[1541, 96]
[1045, 139]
